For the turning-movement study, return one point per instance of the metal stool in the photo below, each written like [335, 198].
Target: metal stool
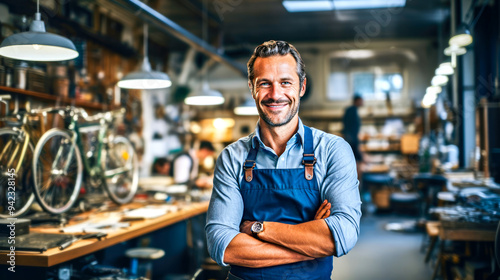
[142, 260]
[407, 202]
[379, 185]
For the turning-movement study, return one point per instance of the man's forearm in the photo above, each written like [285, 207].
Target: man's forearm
[244, 250]
[312, 239]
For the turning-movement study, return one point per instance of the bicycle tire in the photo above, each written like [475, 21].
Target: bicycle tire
[120, 170]
[16, 170]
[57, 189]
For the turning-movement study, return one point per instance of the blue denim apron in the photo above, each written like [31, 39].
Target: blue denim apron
[288, 196]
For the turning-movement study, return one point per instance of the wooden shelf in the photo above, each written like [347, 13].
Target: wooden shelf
[50, 97]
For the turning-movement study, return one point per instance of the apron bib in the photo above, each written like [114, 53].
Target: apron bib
[288, 196]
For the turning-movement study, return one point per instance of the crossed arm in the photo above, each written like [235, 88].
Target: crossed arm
[282, 243]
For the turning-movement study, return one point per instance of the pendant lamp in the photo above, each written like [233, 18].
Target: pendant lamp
[247, 108]
[454, 51]
[445, 68]
[205, 96]
[145, 78]
[38, 45]
[462, 37]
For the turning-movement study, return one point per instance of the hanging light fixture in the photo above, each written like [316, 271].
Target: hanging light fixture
[145, 78]
[462, 37]
[454, 51]
[247, 108]
[204, 96]
[439, 80]
[445, 68]
[37, 44]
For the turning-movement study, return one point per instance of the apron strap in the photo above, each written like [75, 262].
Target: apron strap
[308, 160]
[249, 164]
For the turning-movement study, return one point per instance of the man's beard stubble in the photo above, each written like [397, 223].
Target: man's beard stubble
[293, 111]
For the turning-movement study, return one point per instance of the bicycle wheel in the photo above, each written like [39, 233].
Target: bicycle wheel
[120, 170]
[16, 178]
[57, 170]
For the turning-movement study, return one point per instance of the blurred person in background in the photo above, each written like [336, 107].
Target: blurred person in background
[352, 126]
[161, 166]
[185, 166]
[285, 198]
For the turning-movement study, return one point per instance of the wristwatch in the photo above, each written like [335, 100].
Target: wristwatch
[257, 228]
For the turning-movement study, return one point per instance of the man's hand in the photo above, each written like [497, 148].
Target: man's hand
[246, 227]
[323, 210]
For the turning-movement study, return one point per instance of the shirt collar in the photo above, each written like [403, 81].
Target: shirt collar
[256, 140]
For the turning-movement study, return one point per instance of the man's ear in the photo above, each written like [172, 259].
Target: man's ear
[303, 88]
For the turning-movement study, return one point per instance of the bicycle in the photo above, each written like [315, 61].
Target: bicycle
[59, 165]
[16, 153]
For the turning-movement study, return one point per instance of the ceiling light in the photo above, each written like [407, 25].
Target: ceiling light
[445, 68]
[462, 37]
[323, 5]
[38, 45]
[205, 96]
[454, 51]
[247, 108]
[145, 78]
[429, 100]
[439, 80]
[433, 90]
[307, 6]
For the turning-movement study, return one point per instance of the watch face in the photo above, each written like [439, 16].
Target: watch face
[257, 227]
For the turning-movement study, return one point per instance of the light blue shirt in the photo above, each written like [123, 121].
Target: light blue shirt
[335, 171]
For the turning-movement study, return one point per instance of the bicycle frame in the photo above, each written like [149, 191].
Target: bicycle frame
[26, 139]
[77, 130]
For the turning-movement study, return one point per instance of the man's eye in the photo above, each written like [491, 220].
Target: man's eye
[264, 84]
[286, 83]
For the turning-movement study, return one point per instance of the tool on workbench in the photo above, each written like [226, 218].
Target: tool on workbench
[98, 235]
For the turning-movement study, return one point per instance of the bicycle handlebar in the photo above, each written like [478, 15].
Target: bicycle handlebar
[108, 116]
[70, 110]
[62, 111]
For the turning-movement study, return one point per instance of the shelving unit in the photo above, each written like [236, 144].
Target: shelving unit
[44, 97]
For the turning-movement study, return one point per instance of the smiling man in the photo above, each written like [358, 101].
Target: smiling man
[271, 187]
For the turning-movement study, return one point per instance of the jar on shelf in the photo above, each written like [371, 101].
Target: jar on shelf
[20, 71]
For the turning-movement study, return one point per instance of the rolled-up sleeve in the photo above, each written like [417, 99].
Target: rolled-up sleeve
[225, 210]
[340, 187]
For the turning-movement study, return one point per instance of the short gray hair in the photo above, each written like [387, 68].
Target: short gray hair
[272, 48]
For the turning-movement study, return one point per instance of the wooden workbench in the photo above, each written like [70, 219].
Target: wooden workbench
[80, 248]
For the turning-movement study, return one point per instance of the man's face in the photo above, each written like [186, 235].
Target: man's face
[277, 89]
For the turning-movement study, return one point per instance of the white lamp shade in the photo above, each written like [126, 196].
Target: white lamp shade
[445, 68]
[204, 97]
[433, 90]
[454, 50]
[145, 80]
[439, 80]
[462, 37]
[248, 108]
[38, 45]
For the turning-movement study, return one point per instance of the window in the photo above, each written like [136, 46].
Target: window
[371, 82]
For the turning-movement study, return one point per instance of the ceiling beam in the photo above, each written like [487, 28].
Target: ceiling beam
[152, 16]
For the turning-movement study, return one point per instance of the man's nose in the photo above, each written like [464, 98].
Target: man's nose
[275, 91]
